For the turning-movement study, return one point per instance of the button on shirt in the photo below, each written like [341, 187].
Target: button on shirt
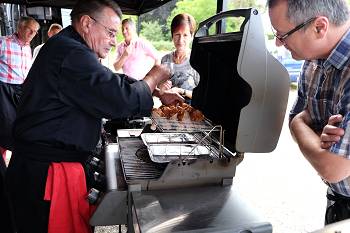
[15, 60]
[324, 89]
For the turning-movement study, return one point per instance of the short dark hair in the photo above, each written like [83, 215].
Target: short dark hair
[182, 19]
[129, 21]
[93, 8]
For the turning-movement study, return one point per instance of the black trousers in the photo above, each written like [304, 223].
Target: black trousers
[6, 220]
[338, 207]
[26, 181]
[9, 100]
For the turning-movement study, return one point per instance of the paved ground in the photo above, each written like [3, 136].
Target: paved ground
[281, 185]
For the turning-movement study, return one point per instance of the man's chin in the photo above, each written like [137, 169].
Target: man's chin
[296, 57]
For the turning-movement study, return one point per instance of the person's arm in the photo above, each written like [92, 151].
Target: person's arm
[120, 62]
[155, 76]
[157, 61]
[331, 167]
[122, 58]
[183, 92]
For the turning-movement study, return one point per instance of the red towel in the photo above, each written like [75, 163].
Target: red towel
[66, 189]
[3, 153]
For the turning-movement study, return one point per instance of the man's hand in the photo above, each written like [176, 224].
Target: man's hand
[128, 49]
[164, 86]
[170, 97]
[331, 133]
[157, 75]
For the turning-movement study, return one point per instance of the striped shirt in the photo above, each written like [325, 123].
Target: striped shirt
[324, 89]
[15, 60]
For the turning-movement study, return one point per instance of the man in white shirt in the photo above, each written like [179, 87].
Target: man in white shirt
[53, 30]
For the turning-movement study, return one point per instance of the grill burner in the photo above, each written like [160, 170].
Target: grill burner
[142, 154]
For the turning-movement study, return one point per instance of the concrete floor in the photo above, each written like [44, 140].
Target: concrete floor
[283, 186]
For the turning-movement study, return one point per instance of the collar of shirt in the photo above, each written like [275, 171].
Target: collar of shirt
[21, 43]
[340, 55]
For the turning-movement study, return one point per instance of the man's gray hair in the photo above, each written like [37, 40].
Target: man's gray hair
[93, 8]
[299, 11]
[25, 20]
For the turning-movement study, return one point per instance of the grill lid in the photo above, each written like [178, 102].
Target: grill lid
[242, 87]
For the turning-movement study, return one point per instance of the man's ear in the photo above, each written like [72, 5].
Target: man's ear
[85, 22]
[321, 25]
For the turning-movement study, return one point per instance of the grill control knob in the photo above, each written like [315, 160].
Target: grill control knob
[97, 164]
[93, 196]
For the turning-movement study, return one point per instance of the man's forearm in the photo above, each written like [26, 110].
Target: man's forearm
[156, 92]
[120, 62]
[329, 166]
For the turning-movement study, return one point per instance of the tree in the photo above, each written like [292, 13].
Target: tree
[152, 31]
[203, 9]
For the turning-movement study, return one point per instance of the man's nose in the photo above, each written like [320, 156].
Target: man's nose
[113, 42]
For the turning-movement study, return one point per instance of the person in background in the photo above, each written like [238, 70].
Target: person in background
[65, 97]
[15, 62]
[134, 52]
[318, 31]
[53, 30]
[184, 77]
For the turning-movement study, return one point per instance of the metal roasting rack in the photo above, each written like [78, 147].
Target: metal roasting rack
[184, 140]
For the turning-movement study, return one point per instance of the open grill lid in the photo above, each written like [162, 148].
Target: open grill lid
[242, 86]
[129, 7]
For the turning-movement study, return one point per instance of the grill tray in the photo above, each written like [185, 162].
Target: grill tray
[166, 147]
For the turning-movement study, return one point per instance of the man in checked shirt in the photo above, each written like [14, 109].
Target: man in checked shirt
[15, 62]
[318, 31]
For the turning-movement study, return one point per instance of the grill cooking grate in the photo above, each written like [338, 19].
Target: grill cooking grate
[136, 162]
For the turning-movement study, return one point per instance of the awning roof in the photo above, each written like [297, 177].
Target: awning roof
[129, 7]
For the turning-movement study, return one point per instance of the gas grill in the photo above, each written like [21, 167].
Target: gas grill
[172, 176]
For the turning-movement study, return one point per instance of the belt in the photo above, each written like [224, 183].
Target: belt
[48, 153]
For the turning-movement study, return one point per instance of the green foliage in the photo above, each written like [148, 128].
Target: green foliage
[163, 45]
[203, 9]
[159, 33]
[152, 31]
[199, 9]
[270, 36]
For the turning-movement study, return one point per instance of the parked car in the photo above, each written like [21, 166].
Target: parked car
[293, 67]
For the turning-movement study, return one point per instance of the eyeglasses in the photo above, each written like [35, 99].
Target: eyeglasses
[283, 38]
[110, 32]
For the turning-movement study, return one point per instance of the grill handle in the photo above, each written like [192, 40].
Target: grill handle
[112, 152]
[203, 27]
